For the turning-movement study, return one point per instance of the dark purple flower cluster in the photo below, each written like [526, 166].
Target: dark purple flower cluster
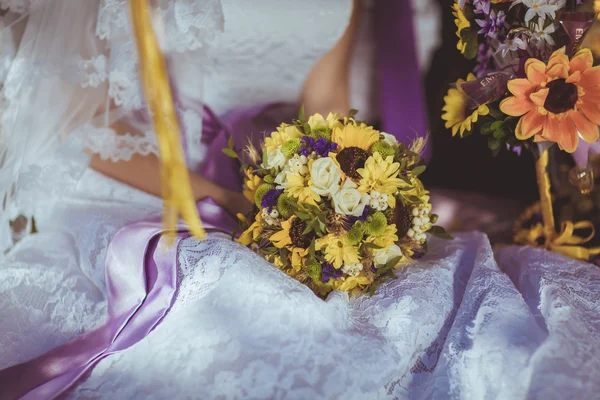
[484, 57]
[321, 146]
[362, 218]
[270, 198]
[329, 272]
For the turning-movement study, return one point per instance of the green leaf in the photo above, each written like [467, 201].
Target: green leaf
[311, 249]
[493, 144]
[230, 153]
[419, 170]
[393, 262]
[306, 127]
[496, 125]
[302, 215]
[499, 134]
[469, 36]
[372, 246]
[434, 218]
[486, 128]
[322, 226]
[230, 142]
[269, 250]
[414, 199]
[352, 113]
[440, 232]
[301, 115]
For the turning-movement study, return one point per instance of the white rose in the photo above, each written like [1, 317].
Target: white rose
[349, 201]
[352, 269]
[325, 176]
[384, 256]
[389, 139]
[275, 159]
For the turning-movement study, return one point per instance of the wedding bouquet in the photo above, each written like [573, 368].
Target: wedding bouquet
[339, 205]
[531, 82]
[532, 86]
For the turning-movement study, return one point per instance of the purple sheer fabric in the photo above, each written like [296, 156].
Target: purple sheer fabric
[141, 268]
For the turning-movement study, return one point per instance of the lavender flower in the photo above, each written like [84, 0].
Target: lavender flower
[491, 25]
[270, 198]
[362, 218]
[481, 6]
[329, 272]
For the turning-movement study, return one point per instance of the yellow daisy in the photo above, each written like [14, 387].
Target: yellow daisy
[461, 22]
[282, 238]
[354, 281]
[317, 121]
[387, 239]
[338, 250]
[299, 187]
[251, 234]
[456, 114]
[381, 175]
[252, 183]
[352, 135]
[283, 133]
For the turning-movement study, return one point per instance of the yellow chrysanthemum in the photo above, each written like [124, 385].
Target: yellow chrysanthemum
[298, 186]
[387, 239]
[354, 281]
[282, 238]
[251, 234]
[461, 22]
[456, 114]
[283, 133]
[381, 175]
[317, 121]
[352, 135]
[338, 250]
[252, 183]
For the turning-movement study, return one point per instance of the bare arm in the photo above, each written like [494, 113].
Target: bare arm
[143, 172]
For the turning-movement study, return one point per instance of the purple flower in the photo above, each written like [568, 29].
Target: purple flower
[481, 7]
[484, 56]
[329, 272]
[362, 218]
[491, 25]
[270, 198]
[321, 146]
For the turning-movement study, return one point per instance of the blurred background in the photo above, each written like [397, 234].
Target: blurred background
[472, 190]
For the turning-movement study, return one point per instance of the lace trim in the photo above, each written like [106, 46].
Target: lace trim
[110, 146]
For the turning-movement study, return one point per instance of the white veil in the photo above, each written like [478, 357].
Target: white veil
[68, 70]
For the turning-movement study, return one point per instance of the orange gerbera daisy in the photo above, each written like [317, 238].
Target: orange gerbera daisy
[557, 102]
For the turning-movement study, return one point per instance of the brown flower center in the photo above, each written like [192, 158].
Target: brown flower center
[351, 159]
[562, 96]
[299, 239]
[403, 220]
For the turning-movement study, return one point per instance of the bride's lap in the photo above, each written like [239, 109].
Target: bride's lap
[45, 299]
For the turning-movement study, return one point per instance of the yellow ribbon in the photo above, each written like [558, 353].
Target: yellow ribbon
[565, 242]
[175, 181]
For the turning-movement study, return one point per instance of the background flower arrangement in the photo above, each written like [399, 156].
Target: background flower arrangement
[532, 86]
[339, 205]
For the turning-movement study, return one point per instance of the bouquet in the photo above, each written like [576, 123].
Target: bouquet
[531, 82]
[532, 86]
[339, 205]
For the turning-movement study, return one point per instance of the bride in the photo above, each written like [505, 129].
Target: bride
[92, 307]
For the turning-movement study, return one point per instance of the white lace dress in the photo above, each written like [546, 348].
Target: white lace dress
[458, 324]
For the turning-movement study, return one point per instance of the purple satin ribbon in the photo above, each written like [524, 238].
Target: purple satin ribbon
[141, 269]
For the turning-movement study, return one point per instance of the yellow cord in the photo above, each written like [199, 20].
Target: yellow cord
[175, 181]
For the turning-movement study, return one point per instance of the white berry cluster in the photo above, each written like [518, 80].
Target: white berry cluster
[421, 222]
[352, 269]
[379, 201]
[270, 217]
[298, 164]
